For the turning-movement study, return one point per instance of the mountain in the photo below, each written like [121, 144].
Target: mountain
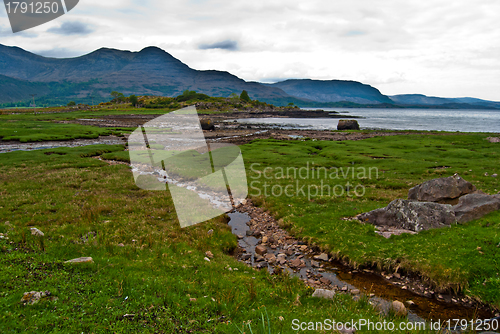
[423, 100]
[150, 71]
[332, 91]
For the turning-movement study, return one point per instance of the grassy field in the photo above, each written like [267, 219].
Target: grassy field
[148, 275]
[462, 258]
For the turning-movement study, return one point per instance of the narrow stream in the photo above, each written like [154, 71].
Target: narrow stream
[381, 292]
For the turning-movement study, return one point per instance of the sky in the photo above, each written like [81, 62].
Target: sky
[433, 47]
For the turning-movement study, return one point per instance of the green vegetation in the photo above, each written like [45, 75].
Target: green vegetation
[461, 258]
[244, 96]
[148, 275]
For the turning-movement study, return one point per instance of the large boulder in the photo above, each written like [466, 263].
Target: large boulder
[442, 190]
[411, 215]
[348, 124]
[474, 206]
[207, 124]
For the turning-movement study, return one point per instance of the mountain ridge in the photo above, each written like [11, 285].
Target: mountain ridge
[154, 71]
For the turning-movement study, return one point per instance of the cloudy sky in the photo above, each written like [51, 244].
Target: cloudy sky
[435, 47]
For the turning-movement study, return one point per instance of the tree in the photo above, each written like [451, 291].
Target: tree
[71, 103]
[133, 99]
[117, 97]
[244, 96]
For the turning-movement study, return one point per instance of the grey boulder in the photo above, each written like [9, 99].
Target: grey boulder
[410, 215]
[474, 206]
[442, 190]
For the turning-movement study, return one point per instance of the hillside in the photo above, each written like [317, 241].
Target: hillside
[332, 91]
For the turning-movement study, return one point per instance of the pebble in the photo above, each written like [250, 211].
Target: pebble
[81, 260]
[209, 254]
[323, 293]
[322, 257]
[37, 232]
[206, 259]
[261, 250]
[355, 291]
[399, 308]
[34, 297]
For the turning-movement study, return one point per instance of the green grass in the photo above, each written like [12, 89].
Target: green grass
[446, 258]
[86, 207]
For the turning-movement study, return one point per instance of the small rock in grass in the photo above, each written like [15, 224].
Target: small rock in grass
[121, 244]
[206, 259]
[210, 231]
[209, 254]
[323, 293]
[355, 291]
[81, 260]
[37, 232]
[34, 297]
[399, 308]
[192, 299]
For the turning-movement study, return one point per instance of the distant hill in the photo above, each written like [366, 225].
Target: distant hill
[464, 102]
[13, 90]
[152, 71]
[332, 91]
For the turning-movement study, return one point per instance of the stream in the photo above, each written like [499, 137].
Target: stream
[381, 292]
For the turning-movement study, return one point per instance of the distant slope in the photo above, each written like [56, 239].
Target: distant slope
[463, 102]
[332, 91]
[13, 90]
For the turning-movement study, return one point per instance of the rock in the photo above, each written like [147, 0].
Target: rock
[281, 258]
[207, 124]
[34, 297]
[323, 293]
[441, 190]
[325, 280]
[296, 263]
[260, 249]
[246, 257]
[474, 206]
[399, 308]
[493, 139]
[209, 254]
[259, 258]
[81, 260]
[240, 236]
[121, 244]
[270, 258]
[322, 257]
[303, 248]
[192, 300]
[344, 288]
[210, 232]
[348, 124]
[314, 263]
[37, 232]
[206, 259]
[409, 215]
[494, 175]
[355, 291]
[264, 239]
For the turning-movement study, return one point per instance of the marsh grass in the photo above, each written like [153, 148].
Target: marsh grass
[463, 258]
[148, 275]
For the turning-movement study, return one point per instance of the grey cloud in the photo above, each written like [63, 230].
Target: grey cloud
[224, 45]
[72, 28]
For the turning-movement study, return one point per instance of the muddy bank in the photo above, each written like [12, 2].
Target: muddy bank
[263, 244]
[9, 146]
